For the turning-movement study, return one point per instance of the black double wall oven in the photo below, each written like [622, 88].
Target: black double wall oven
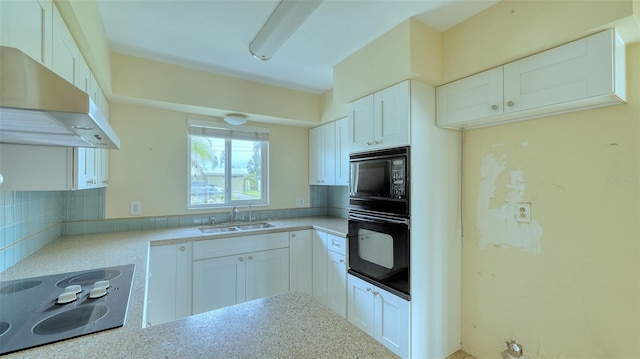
[379, 219]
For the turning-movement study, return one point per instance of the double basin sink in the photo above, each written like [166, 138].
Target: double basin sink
[236, 227]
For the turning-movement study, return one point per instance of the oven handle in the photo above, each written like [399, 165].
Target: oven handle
[377, 219]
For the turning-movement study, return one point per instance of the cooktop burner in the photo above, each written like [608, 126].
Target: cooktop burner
[32, 314]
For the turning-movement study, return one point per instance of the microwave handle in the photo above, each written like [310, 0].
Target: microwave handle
[374, 219]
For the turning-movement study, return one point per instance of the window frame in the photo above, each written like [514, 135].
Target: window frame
[229, 133]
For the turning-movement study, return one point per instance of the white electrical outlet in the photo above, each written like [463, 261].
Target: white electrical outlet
[523, 212]
[135, 208]
[300, 202]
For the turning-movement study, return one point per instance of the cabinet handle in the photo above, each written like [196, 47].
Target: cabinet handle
[334, 243]
[494, 107]
[375, 293]
[182, 249]
[293, 235]
[510, 103]
[241, 259]
[368, 289]
[250, 257]
[342, 261]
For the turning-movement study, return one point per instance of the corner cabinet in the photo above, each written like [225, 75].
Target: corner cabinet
[329, 154]
[380, 314]
[586, 73]
[381, 120]
[168, 291]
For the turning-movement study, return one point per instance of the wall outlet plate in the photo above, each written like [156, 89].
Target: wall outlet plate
[523, 212]
[135, 208]
[300, 202]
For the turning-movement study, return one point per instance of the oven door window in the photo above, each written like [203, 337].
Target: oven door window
[376, 248]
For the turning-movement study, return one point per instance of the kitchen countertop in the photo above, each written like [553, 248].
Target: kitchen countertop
[287, 325]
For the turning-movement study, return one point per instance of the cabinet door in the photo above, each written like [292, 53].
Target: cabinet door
[569, 72]
[342, 152]
[337, 283]
[361, 132]
[391, 112]
[300, 261]
[102, 167]
[392, 321]
[317, 158]
[267, 273]
[361, 305]
[169, 289]
[65, 53]
[218, 282]
[320, 260]
[474, 97]
[27, 25]
[85, 168]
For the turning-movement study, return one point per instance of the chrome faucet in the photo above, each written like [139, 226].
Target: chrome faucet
[251, 218]
[234, 213]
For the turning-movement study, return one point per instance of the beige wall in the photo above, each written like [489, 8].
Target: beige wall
[566, 285]
[137, 79]
[151, 167]
[513, 29]
[411, 50]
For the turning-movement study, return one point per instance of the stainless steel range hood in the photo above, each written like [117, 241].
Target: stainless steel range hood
[38, 107]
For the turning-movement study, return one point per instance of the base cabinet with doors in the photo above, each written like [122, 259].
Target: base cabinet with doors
[235, 270]
[300, 263]
[168, 290]
[382, 315]
[330, 271]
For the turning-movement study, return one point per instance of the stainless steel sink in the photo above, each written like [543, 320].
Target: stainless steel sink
[236, 227]
[218, 229]
[249, 226]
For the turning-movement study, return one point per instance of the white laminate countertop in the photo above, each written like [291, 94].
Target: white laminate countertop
[292, 325]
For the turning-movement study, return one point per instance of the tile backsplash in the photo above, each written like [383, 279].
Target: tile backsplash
[30, 220]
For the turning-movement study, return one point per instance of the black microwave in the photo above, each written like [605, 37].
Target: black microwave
[379, 181]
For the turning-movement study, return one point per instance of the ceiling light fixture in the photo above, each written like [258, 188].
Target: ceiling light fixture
[235, 119]
[282, 23]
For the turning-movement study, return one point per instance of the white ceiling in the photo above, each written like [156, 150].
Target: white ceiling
[214, 35]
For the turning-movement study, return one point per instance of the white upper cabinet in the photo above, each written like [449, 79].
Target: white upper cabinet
[322, 146]
[381, 120]
[329, 154]
[342, 152]
[475, 97]
[26, 25]
[65, 53]
[582, 74]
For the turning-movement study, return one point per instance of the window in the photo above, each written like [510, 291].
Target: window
[228, 166]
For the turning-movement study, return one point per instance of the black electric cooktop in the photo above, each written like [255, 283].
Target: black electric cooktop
[47, 309]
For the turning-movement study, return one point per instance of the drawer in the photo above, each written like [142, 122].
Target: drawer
[337, 244]
[238, 245]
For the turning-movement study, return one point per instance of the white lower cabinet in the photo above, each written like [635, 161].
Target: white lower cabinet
[382, 315]
[168, 283]
[330, 271]
[234, 270]
[300, 263]
[337, 283]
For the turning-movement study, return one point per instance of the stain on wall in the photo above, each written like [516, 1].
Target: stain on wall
[496, 217]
